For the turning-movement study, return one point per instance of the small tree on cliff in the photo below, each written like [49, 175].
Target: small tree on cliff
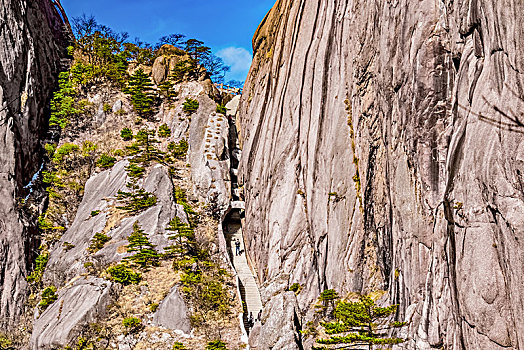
[140, 88]
[145, 253]
[359, 324]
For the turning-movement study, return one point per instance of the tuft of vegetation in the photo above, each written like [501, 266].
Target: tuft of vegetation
[68, 246]
[295, 287]
[98, 242]
[145, 253]
[164, 131]
[95, 212]
[360, 323]
[153, 307]
[132, 324]
[178, 150]
[221, 109]
[40, 264]
[5, 342]
[48, 297]
[105, 161]
[107, 108]
[190, 105]
[126, 134]
[122, 274]
[178, 346]
[216, 345]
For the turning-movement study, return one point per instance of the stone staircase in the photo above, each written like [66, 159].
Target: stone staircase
[248, 285]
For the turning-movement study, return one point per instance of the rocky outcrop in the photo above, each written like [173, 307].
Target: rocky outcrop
[172, 312]
[32, 43]
[77, 306]
[383, 149]
[69, 256]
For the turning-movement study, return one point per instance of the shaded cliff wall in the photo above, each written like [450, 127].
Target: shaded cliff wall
[383, 149]
[32, 43]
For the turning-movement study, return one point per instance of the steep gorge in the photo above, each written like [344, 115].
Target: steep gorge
[33, 41]
[383, 150]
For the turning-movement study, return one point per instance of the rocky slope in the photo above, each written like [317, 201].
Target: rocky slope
[383, 150]
[33, 41]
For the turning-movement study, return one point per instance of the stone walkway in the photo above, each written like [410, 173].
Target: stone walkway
[248, 289]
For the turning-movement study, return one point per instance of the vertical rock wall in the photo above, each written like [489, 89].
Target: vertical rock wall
[32, 43]
[383, 149]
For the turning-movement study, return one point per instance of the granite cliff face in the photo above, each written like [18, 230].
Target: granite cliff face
[32, 45]
[383, 150]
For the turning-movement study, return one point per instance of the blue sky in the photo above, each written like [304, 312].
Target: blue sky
[225, 26]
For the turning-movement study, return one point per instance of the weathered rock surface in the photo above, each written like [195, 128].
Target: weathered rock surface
[383, 149]
[172, 313]
[32, 42]
[67, 262]
[76, 306]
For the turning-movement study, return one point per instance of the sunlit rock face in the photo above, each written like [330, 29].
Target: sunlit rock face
[32, 43]
[383, 149]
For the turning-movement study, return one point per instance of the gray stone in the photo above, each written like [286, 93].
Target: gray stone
[172, 313]
[77, 306]
[118, 105]
[414, 185]
[32, 44]
[278, 329]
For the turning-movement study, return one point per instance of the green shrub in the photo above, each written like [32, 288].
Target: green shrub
[48, 297]
[190, 105]
[164, 131]
[221, 109]
[107, 108]
[68, 246]
[178, 346]
[40, 264]
[63, 103]
[105, 161]
[122, 274]
[132, 324]
[126, 134]
[121, 112]
[295, 287]
[153, 307]
[216, 345]
[95, 212]
[179, 150]
[98, 242]
[63, 151]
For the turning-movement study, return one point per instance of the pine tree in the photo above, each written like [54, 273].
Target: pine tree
[144, 149]
[145, 253]
[184, 237]
[140, 88]
[359, 324]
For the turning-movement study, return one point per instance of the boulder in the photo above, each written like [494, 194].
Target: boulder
[172, 313]
[77, 306]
